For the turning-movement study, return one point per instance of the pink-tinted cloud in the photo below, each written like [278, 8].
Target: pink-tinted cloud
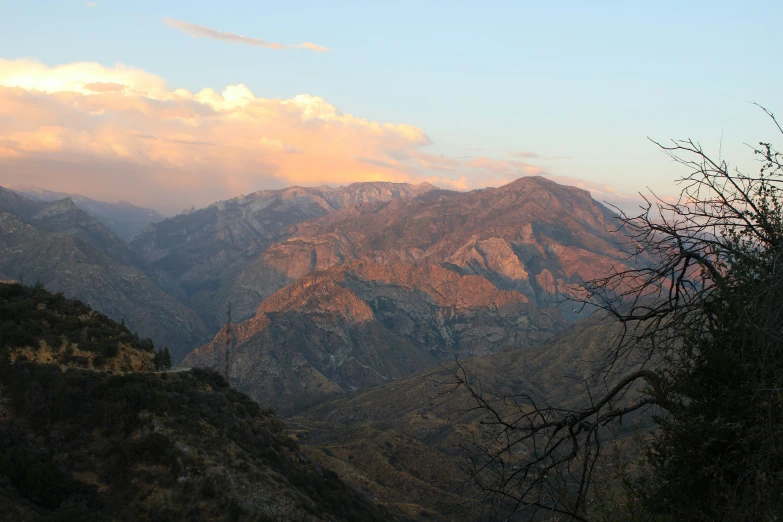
[200, 31]
[122, 133]
[135, 138]
[513, 168]
[104, 87]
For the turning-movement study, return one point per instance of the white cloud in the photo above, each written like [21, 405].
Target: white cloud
[123, 133]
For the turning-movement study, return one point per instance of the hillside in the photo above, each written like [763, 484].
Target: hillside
[43, 327]
[88, 431]
[88, 446]
[386, 289]
[399, 443]
[122, 218]
[364, 324]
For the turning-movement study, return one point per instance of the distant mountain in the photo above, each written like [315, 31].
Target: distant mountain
[66, 250]
[123, 218]
[64, 216]
[199, 255]
[382, 290]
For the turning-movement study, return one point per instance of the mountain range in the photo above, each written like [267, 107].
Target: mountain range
[173, 282]
[123, 218]
[388, 288]
[348, 307]
[211, 256]
[331, 289]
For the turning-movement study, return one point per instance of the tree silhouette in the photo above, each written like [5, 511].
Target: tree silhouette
[699, 349]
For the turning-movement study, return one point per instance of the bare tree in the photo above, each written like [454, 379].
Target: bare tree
[700, 293]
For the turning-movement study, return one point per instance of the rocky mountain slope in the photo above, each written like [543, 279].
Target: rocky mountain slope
[122, 218]
[385, 289]
[399, 443]
[199, 255]
[532, 235]
[68, 251]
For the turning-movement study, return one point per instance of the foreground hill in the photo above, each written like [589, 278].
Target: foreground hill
[87, 446]
[88, 433]
[37, 325]
[198, 255]
[399, 443]
[386, 289]
[122, 218]
[68, 251]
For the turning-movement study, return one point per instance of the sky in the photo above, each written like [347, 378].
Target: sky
[173, 104]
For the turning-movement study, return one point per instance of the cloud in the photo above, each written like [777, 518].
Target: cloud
[104, 87]
[133, 137]
[525, 155]
[200, 31]
[90, 4]
[513, 168]
[122, 133]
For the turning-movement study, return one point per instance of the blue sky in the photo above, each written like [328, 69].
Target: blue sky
[581, 84]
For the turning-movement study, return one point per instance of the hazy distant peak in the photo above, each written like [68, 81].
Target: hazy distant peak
[121, 217]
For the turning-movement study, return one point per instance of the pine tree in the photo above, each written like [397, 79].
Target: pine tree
[165, 358]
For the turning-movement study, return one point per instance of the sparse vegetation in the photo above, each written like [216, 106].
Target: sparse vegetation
[80, 445]
[34, 317]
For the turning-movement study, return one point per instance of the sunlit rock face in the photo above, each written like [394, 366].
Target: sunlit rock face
[209, 257]
[380, 290]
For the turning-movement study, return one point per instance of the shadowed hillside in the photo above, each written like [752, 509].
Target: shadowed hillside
[80, 445]
[89, 433]
[399, 443]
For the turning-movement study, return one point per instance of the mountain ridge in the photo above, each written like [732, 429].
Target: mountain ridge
[198, 256]
[378, 291]
[121, 217]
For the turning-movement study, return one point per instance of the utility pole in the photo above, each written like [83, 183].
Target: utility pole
[229, 340]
